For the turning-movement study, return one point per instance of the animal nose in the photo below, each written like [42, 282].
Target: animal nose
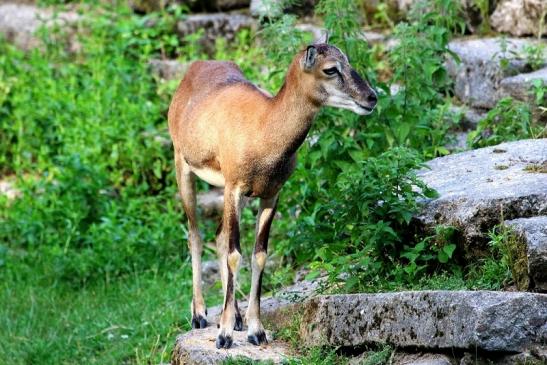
[372, 98]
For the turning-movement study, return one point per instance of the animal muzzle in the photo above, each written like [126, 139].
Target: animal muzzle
[367, 102]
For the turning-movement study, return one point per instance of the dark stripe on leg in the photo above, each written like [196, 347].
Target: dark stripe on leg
[264, 232]
[229, 288]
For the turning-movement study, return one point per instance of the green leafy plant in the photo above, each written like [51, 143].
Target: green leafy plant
[357, 227]
[511, 252]
[510, 120]
[534, 54]
[484, 9]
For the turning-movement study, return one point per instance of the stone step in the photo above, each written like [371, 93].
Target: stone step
[478, 189]
[197, 347]
[519, 17]
[19, 23]
[532, 232]
[215, 25]
[478, 76]
[168, 69]
[463, 320]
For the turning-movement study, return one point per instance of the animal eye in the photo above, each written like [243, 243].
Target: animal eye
[330, 71]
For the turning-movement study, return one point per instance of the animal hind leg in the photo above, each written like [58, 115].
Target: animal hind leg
[187, 187]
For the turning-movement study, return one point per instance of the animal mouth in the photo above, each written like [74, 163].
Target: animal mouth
[368, 109]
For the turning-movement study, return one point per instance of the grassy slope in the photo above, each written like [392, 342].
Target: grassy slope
[130, 320]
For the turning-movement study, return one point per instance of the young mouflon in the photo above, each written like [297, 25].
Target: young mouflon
[232, 134]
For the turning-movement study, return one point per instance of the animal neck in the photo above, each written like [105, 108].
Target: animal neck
[292, 113]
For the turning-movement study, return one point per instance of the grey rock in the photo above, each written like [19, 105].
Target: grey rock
[19, 23]
[470, 12]
[394, 89]
[317, 32]
[533, 232]
[274, 8]
[519, 17]
[457, 142]
[219, 5]
[197, 347]
[277, 311]
[168, 69]
[209, 272]
[475, 320]
[8, 189]
[27, 2]
[477, 187]
[477, 78]
[374, 37]
[402, 358]
[521, 86]
[211, 202]
[523, 358]
[266, 9]
[160, 137]
[215, 25]
[147, 6]
[470, 117]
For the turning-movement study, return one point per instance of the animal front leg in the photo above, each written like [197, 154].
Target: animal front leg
[222, 252]
[255, 332]
[229, 262]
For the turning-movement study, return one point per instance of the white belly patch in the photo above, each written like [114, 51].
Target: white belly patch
[211, 176]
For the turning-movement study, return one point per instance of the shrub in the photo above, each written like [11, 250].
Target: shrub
[510, 120]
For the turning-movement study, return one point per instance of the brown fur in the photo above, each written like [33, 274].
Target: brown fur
[221, 122]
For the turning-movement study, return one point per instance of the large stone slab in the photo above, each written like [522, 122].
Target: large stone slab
[19, 23]
[533, 233]
[478, 188]
[168, 69]
[215, 25]
[521, 86]
[519, 17]
[278, 311]
[197, 347]
[477, 78]
[470, 117]
[274, 8]
[476, 320]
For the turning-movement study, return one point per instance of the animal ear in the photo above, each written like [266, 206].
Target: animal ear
[310, 58]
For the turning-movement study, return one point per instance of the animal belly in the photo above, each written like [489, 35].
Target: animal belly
[209, 175]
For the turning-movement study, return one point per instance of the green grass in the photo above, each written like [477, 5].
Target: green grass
[131, 320]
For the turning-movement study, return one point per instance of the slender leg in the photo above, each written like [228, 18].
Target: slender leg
[255, 332]
[222, 249]
[186, 182]
[230, 257]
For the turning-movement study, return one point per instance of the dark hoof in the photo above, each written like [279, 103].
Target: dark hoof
[258, 338]
[224, 342]
[238, 326]
[198, 321]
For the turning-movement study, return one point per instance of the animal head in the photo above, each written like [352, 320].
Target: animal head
[334, 81]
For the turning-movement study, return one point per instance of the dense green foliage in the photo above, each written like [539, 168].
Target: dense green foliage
[93, 261]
